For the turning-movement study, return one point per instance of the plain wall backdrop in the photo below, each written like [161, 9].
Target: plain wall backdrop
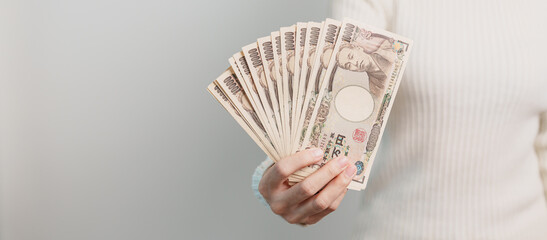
[107, 130]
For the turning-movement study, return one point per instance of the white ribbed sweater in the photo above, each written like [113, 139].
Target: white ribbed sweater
[465, 147]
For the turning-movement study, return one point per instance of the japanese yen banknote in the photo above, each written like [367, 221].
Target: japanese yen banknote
[329, 85]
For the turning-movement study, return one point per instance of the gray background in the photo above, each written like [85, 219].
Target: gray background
[107, 131]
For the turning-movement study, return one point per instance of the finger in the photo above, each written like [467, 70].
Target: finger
[313, 219]
[305, 220]
[287, 166]
[324, 199]
[317, 180]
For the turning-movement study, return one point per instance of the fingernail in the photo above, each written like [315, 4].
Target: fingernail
[342, 162]
[350, 171]
[317, 153]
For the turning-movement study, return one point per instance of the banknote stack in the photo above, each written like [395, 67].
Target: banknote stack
[327, 84]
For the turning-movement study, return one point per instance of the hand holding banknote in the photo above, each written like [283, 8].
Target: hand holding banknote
[315, 197]
[315, 97]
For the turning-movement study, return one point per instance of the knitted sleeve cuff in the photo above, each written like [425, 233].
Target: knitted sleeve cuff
[257, 175]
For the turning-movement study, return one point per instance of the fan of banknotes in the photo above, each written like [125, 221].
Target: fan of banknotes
[327, 84]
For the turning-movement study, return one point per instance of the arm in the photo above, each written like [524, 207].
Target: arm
[541, 149]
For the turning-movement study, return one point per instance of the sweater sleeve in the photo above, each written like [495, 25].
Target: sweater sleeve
[541, 149]
[257, 176]
[378, 13]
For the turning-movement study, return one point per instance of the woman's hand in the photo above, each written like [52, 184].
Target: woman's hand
[315, 197]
